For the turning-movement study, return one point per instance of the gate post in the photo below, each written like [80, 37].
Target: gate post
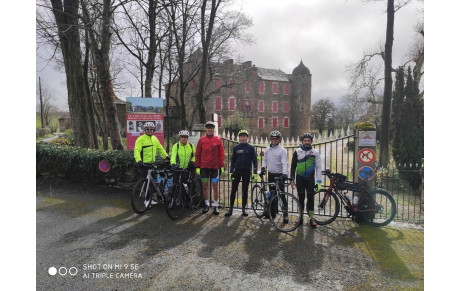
[365, 146]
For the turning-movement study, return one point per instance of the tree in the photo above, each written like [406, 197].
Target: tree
[99, 30]
[322, 112]
[66, 19]
[46, 105]
[234, 124]
[408, 117]
[360, 68]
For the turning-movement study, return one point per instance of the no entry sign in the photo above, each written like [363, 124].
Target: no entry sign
[366, 156]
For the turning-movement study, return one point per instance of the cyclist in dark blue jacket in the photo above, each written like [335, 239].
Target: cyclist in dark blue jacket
[244, 158]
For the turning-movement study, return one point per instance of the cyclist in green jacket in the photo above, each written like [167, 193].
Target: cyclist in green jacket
[183, 152]
[147, 145]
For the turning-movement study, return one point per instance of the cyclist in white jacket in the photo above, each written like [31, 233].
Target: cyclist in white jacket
[276, 161]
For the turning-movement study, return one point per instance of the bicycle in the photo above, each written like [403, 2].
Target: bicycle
[185, 191]
[377, 207]
[262, 203]
[145, 188]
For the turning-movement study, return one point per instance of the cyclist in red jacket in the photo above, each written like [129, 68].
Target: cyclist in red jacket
[209, 163]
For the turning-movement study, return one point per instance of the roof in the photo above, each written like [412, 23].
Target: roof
[272, 74]
[301, 69]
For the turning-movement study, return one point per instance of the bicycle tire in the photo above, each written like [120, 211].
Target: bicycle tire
[175, 202]
[385, 210]
[257, 200]
[292, 209]
[196, 194]
[139, 197]
[328, 210]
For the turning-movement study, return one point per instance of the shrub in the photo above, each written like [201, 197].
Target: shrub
[82, 164]
[43, 131]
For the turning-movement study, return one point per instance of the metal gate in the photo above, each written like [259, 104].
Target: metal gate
[336, 154]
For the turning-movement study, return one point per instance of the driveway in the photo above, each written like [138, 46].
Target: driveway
[88, 238]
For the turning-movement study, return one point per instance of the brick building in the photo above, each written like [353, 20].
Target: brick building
[267, 98]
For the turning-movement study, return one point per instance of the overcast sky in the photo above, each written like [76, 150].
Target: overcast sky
[326, 35]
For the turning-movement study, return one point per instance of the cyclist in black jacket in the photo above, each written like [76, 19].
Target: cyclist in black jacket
[244, 158]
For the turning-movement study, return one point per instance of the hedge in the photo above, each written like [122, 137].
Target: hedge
[83, 164]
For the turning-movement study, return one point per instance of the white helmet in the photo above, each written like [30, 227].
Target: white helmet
[183, 132]
[275, 133]
[149, 125]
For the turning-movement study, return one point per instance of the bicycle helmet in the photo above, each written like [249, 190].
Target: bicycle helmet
[243, 132]
[149, 125]
[183, 132]
[275, 133]
[306, 135]
[210, 124]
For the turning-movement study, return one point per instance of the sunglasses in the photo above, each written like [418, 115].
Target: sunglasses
[274, 138]
[184, 136]
[148, 129]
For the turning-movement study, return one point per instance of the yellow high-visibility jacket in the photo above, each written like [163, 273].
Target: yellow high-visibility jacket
[146, 148]
[182, 155]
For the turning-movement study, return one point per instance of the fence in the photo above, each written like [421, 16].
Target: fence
[337, 155]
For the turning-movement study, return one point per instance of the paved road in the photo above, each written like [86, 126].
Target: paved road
[88, 238]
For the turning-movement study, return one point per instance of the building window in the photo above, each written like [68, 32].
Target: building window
[275, 122]
[261, 88]
[232, 87]
[247, 105]
[219, 121]
[286, 107]
[286, 122]
[248, 87]
[218, 83]
[261, 122]
[275, 88]
[231, 103]
[286, 89]
[275, 106]
[261, 106]
[218, 103]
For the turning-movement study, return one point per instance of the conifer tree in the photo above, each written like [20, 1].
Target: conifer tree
[408, 126]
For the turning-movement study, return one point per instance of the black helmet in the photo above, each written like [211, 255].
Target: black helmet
[210, 124]
[306, 135]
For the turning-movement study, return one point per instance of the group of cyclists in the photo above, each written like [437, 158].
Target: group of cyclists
[208, 160]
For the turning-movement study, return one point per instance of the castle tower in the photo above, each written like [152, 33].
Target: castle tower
[300, 99]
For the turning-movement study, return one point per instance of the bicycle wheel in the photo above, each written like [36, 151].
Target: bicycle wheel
[174, 202]
[383, 211]
[140, 198]
[196, 194]
[327, 207]
[257, 200]
[291, 212]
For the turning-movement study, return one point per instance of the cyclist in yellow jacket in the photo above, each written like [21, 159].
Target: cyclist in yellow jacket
[183, 152]
[147, 145]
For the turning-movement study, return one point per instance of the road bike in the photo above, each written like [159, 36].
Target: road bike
[185, 192]
[268, 197]
[376, 207]
[151, 188]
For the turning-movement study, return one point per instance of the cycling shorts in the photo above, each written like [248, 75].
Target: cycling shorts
[207, 173]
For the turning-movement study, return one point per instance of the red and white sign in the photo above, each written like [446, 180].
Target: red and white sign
[366, 156]
[135, 127]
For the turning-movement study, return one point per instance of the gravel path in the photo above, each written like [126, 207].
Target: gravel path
[94, 230]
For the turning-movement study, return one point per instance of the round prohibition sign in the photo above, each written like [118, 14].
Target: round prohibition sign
[104, 166]
[366, 173]
[366, 156]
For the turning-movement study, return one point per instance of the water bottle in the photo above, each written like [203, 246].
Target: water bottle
[355, 200]
[268, 195]
[349, 197]
[185, 187]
